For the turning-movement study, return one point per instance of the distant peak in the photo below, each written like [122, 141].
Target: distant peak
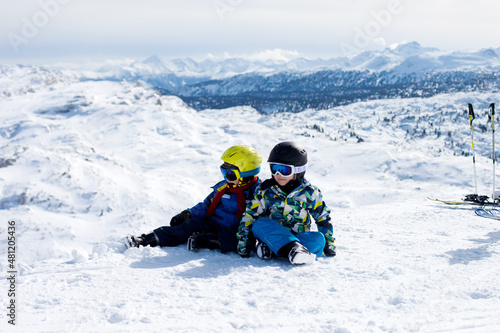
[154, 59]
[489, 53]
[413, 44]
[278, 55]
[410, 48]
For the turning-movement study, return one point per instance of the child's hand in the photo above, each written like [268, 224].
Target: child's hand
[243, 251]
[328, 251]
[180, 218]
[245, 255]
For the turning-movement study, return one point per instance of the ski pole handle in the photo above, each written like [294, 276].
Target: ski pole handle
[471, 113]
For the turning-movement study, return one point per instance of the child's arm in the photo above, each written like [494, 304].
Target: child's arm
[254, 209]
[321, 214]
[200, 209]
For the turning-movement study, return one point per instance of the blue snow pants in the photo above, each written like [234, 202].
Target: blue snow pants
[276, 236]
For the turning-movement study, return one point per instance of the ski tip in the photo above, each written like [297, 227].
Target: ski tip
[451, 202]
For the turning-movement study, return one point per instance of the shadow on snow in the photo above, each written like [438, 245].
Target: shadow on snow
[465, 256]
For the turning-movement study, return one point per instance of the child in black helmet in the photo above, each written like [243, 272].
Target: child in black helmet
[280, 214]
[213, 223]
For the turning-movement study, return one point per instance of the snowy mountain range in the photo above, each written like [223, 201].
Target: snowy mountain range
[286, 82]
[409, 57]
[85, 162]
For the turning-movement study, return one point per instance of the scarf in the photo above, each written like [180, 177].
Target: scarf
[240, 197]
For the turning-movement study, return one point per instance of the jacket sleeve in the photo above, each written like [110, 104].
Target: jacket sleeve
[200, 209]
[253, 210]
[321, 214]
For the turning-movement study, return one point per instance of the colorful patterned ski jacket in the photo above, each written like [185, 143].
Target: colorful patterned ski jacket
[225, 213]
[293, 211]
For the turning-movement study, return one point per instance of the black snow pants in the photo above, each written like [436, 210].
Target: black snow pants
[174, 236]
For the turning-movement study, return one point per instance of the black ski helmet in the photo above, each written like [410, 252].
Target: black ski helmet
[290, 153]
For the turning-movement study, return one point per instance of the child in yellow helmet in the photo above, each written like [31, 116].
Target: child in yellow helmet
[213, 223]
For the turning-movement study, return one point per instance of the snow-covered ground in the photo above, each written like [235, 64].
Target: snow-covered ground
[84, 163]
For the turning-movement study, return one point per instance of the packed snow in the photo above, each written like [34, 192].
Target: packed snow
[84, 163]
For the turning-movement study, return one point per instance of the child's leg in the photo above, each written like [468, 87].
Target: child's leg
[227, 240]
[272, 233]
[313, 240]
[173, 236]
[276, 236]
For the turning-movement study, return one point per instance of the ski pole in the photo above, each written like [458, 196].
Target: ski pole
[471, 118]
[492, 114]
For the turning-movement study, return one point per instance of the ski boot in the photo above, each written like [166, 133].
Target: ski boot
[263, 251]
[203, 240]
[298, 254]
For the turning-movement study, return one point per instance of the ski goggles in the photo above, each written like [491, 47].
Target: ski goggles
[232, 174]
[229, 173]
[286, 170]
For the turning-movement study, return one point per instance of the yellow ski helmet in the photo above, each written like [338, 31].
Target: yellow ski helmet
[246, 158]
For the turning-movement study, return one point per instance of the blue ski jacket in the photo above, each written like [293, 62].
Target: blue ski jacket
[225, 213]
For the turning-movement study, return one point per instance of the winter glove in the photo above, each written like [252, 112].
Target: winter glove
[245, 255]
[242, 248]
[329, 250]
[180, 218]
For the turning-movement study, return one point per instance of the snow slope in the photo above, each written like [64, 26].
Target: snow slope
[85, 163]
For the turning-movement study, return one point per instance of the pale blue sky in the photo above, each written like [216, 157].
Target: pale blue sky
[40, 30]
